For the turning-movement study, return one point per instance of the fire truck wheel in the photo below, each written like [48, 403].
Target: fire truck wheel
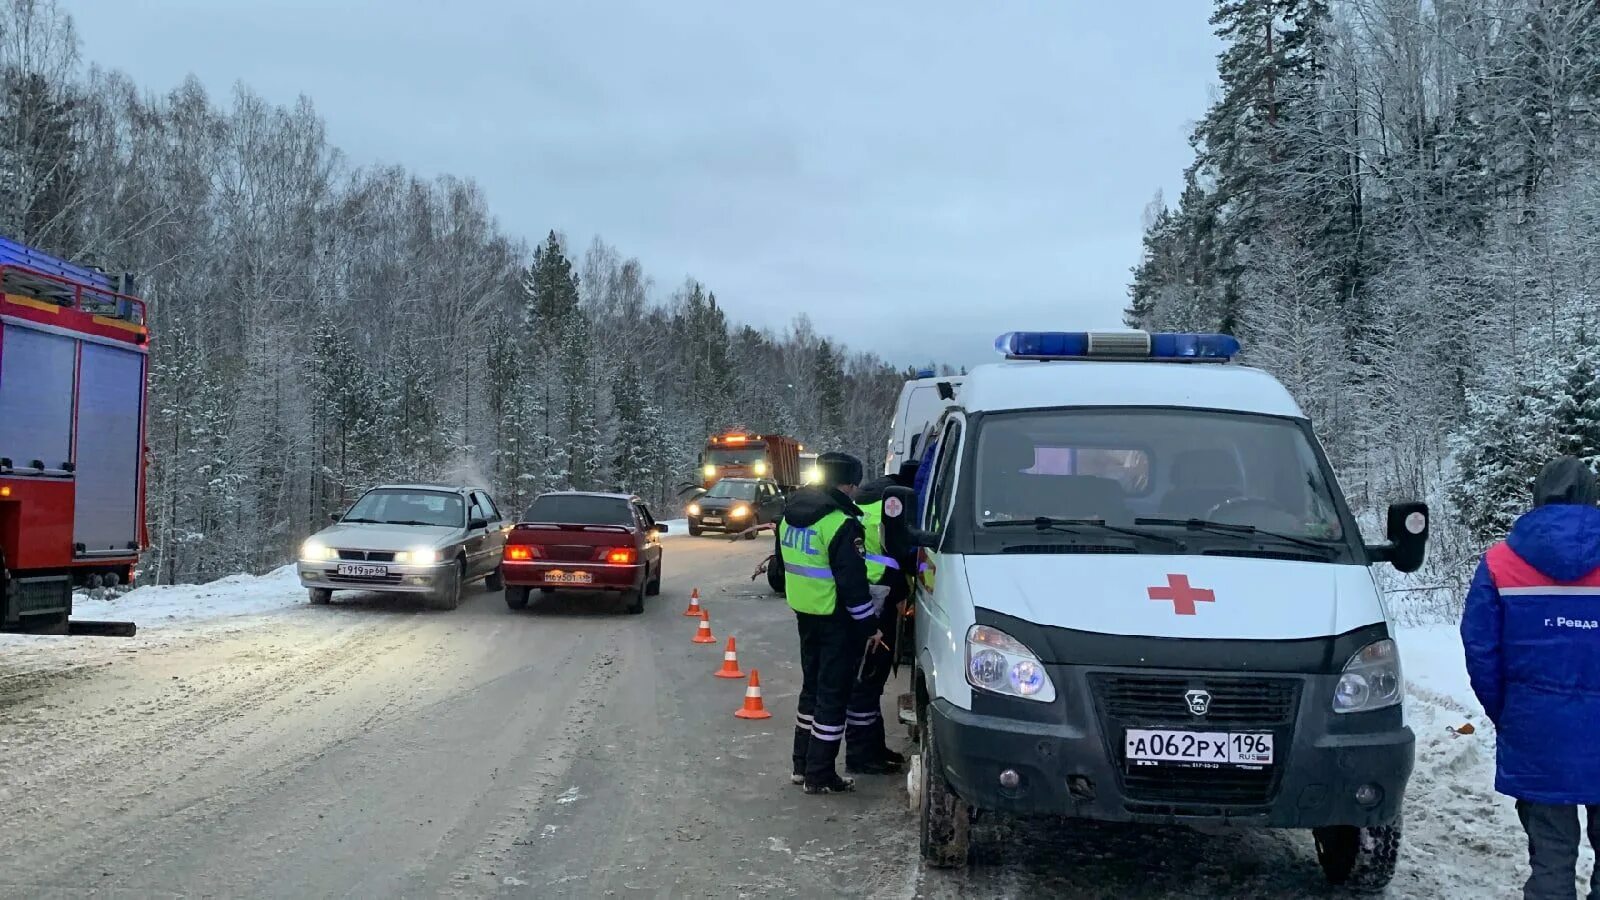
[321, 596]
[448, 596]
[495, 582]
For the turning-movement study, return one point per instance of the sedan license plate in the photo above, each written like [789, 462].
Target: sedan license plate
[712, 520]
[556, 576]
[353, 571]
[1144, 747]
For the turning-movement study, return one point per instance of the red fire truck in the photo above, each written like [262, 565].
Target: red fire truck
[73, 367]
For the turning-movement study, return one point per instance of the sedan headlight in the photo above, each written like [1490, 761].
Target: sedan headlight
[1371, 679]
[694, 509]
[740, 512]
[1001, 664]
[418, 556]
[317, 551]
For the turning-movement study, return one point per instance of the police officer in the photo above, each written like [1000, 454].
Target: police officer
[821, 548]
[865, 750]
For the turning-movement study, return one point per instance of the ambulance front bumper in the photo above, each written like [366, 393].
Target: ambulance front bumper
[1067, 758]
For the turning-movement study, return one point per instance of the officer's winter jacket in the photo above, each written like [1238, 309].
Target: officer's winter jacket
[807, 507]
[1531, 630]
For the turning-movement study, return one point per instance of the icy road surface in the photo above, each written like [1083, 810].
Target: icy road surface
[248, 744]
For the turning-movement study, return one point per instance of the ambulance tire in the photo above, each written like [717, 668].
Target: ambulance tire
[946, 819]
[448, 596]
[321, 596]
[1361, 859]
[495, 581]
[517, 597]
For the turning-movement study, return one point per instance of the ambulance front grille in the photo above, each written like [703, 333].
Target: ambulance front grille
[1159, 700]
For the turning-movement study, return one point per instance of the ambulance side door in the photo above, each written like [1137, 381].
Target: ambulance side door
[943, 606]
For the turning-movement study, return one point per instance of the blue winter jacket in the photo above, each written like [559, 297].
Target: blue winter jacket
[1531, 630]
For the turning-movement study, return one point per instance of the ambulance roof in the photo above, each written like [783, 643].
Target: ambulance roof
[1031, 384]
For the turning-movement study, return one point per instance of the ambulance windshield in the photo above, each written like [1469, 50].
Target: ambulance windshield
[1122, 465]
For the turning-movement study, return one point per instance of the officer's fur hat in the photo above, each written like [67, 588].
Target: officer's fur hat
[839, 468]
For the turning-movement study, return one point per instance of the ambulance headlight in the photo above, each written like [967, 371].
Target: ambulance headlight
[1371, 679]
[1001, 664]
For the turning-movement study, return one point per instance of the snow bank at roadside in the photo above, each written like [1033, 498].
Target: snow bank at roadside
[156, 607]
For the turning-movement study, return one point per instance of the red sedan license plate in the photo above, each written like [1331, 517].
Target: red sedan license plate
[556, 576]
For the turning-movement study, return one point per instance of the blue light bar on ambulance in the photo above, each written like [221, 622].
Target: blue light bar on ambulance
[1124, 345]
[924, 373]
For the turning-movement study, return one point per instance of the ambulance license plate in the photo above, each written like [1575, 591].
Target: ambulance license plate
[556, 576]
[1144, 747]
[353, 571]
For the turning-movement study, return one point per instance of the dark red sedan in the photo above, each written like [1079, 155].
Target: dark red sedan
[583, 541]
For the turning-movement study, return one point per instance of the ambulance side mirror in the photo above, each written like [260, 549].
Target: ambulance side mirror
[1407, 533]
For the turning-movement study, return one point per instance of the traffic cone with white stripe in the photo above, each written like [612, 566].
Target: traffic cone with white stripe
[702, 635]
[752, 700]
[730, 663]
[694, 603]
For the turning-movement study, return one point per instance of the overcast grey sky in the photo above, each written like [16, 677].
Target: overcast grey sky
[916, 176]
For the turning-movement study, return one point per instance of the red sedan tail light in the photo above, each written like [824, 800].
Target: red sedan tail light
[521, 552]
[621, 556]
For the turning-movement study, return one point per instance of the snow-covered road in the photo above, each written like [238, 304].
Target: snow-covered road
[246, 738]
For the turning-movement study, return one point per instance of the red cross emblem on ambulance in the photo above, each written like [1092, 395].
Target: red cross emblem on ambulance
[1181, 595]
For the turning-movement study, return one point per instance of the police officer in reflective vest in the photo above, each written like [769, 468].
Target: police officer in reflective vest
[822, 550]
[865, 750]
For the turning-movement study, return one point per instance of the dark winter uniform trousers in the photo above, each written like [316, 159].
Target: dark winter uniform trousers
[864, 727]
[830, 652]
[1553, 835]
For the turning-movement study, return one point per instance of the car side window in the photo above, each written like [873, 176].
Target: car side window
[486, 503]
[944, 478]
[477, 511]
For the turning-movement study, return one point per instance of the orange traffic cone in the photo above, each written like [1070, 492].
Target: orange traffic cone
[730, 663]
[702, 635]
[694, 603]
[752, 700]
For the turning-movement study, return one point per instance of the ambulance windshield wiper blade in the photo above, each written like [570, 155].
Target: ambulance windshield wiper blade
[1241, 531]
[1071, 526]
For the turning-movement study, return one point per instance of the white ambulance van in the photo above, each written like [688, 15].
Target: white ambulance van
[922, 401]
[1142, 598]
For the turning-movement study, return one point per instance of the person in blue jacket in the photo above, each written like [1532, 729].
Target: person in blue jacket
[1531, 630]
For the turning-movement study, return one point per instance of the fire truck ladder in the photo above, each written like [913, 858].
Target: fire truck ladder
[30, 273]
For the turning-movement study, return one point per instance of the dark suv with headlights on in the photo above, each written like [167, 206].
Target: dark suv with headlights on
[735, 504]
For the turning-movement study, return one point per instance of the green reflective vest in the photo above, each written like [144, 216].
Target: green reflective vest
[872, 523]
[807, 577]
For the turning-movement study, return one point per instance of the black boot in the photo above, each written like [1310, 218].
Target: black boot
[832, 784]
[802, 742]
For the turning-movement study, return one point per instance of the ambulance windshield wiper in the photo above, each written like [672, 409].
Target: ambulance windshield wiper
[1232, 530]
[1071, 526]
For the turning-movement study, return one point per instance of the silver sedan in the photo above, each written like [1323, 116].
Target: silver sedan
[408, 538]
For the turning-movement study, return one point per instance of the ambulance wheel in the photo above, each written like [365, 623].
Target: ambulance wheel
[321, 596]
[1361, 859]
[517, 597]
[946, 818]
[495, 581]
[448, 596]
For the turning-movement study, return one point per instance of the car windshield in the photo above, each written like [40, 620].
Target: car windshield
[734, 456]
[733, 490]
[578, 509]
[389, 506]
[1129, 467]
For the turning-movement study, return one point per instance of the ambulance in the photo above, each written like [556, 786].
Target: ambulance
[922, 401]
[1142, 598]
